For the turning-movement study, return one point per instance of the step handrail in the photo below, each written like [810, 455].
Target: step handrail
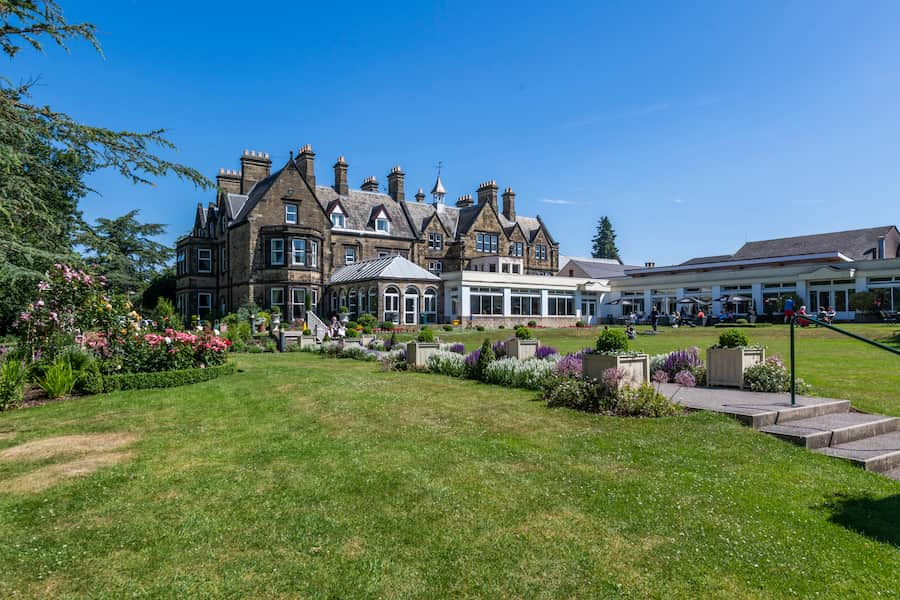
[827, 325]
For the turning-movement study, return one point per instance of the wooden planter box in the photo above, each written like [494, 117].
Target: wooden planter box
[521, 349]
[367, 339]
[350, 342]
[636, 366]
[725, 366]
[307, 340]
[417, 353]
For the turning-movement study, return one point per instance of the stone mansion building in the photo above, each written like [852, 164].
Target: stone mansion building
[278, 238]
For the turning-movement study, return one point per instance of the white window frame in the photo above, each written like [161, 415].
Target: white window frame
[275, 293]
[298, 247]
[276, 248]
[436, 266]
[338, 219]
[349, 253]
[382, 225]
[201, 259]
[312, 253]
[223, 259]
[435, 241]
[291, 208]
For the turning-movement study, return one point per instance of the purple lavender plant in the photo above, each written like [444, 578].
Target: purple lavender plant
[545, 351]
[472, 358]
[570, 365]
[682, 360]
[499, 349]
[458, 348]
[613, 377]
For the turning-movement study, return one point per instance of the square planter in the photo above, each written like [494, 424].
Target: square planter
[417, 353]
[307, 340]
[367, 339]
[350, 342]
[725, 366]
[636, 366]
[521, 349]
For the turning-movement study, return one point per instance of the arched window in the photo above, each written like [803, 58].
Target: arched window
[430, 305]
[373, 301]
[411, 306]
[392, 305]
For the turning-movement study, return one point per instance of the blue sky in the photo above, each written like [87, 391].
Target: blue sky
[694, 126]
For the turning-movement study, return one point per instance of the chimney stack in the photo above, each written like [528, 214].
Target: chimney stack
[254, 166]
[229, 181]
[487, 192]
[509, 204]
[882, 248]
[464, 201]
[340, 177]
[306, 163]
[370, 184]
[420, 196]
[649, 264]
[395, 184]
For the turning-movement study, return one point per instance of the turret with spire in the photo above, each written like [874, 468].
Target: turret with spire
[438, 192]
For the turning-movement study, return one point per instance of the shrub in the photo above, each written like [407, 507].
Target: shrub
[523, 333]
[499, 348]
[741, 321]
[387, 326]
[343, 309]
[367, 320]
[575, 393]
[352, 333]
[354, 352]
[367, 330]
[458, 348]
[426, 335]
[239, 332]
[501, 327]
[393, 341]
[447, 363]
[732, 338]
[479, 328]
[510, 372]
[543, 352]
[641, 401]
[532, 323]
[59, 379]
[612, 340]
[447, 327]
[478, 360]
[772, 376]
[164, 379]
[255, 349]
[12, 383]
[351, 325]
[271, 346]
[580, 324]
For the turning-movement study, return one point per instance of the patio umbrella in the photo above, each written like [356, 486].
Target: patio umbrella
[690, 300]
[739, 299]
[622, 302]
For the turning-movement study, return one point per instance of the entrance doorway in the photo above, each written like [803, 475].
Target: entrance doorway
[589, 311]
[411, 306]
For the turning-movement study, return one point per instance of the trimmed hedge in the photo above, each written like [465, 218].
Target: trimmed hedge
[164, 379]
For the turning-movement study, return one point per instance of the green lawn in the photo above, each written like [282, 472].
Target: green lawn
[307, 477]
[836, 366]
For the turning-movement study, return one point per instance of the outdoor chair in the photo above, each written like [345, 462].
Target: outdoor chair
[888, 316]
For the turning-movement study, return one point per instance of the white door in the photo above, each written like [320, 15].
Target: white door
[589, 311]
[410, 309]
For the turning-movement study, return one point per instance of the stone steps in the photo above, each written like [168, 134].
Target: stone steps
[880, 453]
[831, 429]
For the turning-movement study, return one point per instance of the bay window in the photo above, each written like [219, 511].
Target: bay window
[276, 252]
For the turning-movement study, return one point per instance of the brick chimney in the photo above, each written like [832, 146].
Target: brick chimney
[464, 201]
[306, 162]
[229, 181]
[649, 264]
[340, 176]
[487, 192]
[395, 184]
[509, 204]
[420, 196]
[370, 184]
[254, 166]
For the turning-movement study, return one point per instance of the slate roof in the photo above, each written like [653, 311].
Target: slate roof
[258, 190]
[853, 244]
[233, 204]
[390, 267]
[707, 259]
[599, 268]
[360, 208]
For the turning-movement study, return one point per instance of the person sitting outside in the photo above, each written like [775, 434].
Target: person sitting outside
[701, 317]
[629, 331]
[723, 318]
[802, 322]
[830, 314]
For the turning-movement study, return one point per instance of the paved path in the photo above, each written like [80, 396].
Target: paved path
[824, 425]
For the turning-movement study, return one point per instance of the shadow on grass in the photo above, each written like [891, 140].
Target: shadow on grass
[871, 517]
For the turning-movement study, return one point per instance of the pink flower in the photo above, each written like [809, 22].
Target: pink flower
[53, 316]
[661, 376]
[43, 286]
[685, 379]
[40, 302]
[25, 316]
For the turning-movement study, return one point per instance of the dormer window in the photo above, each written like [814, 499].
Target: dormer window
[337, 218]
[290, 214]
[382, 225]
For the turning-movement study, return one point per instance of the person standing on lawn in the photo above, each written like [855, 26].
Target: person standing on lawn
[654, 318]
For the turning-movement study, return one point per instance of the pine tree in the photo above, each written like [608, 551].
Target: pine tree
[605, 240]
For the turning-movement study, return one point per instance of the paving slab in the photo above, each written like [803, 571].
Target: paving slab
[757, 409]
[832, 429]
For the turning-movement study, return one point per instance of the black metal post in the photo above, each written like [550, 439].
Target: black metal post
[793, 385]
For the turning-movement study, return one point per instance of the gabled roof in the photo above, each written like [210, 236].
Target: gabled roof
[360, 207]
[389, 267]
[233, 205]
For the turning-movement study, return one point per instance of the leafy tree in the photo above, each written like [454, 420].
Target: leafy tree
[161, 286]
[124, 251]
[45, 155]
[605, 240]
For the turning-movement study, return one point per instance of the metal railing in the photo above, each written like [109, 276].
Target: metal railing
[827, 325]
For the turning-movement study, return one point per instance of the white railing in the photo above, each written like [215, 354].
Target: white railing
[316, 325]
